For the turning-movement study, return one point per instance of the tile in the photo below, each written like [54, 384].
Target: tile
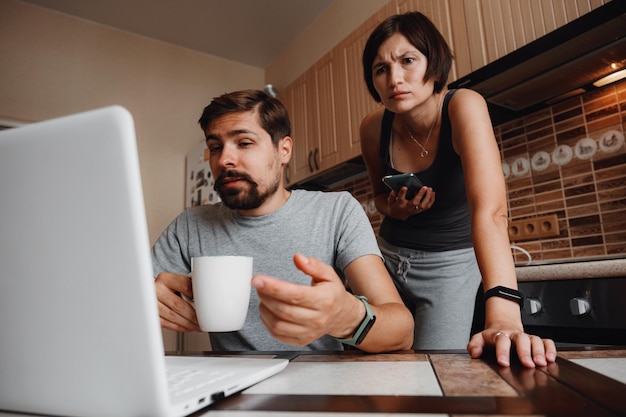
[549, 196]
[580, 211]
[584, 221]
[581, 199]
[454, 372]
[618, 237]
[584, 189]
[566, 106]
[359, 357]
[546, 186]
[554, 206]
[544, 132]
[572, 116]
[617, 160]
[521, 212]
[551, 244]
[588, 251]
[612, 367]
[616, 171]
[352, 378]
[249, 413]
[570, 136]
[588, 241]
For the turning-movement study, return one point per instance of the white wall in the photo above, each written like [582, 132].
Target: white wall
[52, 64]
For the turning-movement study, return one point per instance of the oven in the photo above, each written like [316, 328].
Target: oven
[586, 311]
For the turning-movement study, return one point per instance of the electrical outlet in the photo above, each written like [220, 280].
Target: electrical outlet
[534, 228]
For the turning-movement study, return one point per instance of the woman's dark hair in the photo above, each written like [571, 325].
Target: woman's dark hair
[420, 32]
[273, 115]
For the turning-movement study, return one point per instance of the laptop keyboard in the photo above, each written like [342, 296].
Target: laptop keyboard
[186, 381]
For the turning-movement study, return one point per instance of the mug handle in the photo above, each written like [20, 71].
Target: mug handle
[189, 300]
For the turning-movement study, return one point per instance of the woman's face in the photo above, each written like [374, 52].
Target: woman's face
[398, 74]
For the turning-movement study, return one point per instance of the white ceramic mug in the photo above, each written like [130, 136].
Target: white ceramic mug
[221, 291]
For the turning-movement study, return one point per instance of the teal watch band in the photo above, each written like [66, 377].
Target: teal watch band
[364, 327]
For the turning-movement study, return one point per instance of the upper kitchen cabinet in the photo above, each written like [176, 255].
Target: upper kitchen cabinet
[286, 97]
[324, 150]
[311, 103]
[498, 27]
[296, 98]
[353, 101]
[449, 17]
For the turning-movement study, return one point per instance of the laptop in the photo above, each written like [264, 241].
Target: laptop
[79, 325]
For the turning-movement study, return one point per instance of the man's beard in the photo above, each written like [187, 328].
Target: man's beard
[238, 198]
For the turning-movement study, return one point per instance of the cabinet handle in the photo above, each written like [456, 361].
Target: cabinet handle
[316, 158]
[309, 161]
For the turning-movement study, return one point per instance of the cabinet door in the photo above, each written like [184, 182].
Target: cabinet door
[325, 152]
[286, 97]
[358, 100]
[347, 140]
[299, 118]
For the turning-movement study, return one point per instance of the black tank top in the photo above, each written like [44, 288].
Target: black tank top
[447, 224]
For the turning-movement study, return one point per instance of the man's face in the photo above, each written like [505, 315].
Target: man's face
[246, 165]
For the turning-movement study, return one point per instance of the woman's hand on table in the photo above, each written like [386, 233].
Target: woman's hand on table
[531, 350]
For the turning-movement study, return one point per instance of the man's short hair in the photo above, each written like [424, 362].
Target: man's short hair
[273, 116]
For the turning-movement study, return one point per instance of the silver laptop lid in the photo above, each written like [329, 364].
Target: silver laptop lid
[78, 318]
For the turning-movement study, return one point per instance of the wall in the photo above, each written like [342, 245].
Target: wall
[588, 193]
[53, 64]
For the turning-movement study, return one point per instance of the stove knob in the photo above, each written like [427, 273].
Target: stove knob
[579, 306]
[534, 306]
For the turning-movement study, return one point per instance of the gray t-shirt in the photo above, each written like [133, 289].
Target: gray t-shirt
[330, 226]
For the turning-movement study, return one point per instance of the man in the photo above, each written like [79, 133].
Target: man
[307, 246]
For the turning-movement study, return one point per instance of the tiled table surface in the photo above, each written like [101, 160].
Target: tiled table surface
[581, 383]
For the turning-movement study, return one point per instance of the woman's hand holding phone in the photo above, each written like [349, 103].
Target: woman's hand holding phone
[408, 195]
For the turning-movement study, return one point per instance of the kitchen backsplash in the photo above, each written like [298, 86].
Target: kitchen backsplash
[568, 160]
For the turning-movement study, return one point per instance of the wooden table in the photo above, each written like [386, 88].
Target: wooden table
[431, 383]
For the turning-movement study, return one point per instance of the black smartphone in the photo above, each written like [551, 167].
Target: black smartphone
[395, 182]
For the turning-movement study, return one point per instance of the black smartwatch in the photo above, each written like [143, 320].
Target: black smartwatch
[508, 293]
[364, 327]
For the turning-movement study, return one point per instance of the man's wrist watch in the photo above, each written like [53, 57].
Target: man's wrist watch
[364, 327]
[507, 293]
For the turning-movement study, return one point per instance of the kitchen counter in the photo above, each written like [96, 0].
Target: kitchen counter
[574, 269]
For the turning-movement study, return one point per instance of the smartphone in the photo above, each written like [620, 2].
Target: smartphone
[395, 182]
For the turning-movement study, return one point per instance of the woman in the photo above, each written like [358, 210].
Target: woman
[439, 244]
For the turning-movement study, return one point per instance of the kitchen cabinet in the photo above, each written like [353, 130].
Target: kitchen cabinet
[286, 97]
[354, 101]
[498, 27]
[449, 18]
[324, 151]
[310, 101]
[295, 99]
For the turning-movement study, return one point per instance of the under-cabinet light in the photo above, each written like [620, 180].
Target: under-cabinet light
[611, 78]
